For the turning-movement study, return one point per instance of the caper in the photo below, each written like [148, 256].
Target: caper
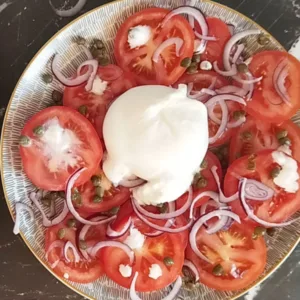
[103, 61]
[76, 197]
[163, 208]
[285, 141]
[238, 114]
[100, 191]
[97, 199]
[202, 183]
[218, 270]
[62, 194]
[83, 110]
[79, 40]
[114, 211]
[281, 134]
[263, 40]
[71, 223]
[192, 68]
[242, 68]
[57, 96]
[196, 58]
[204, 164]
[246, 135]
[251, 165]
[186, 62]
[25, 141]
[98, 44]
[82, 245]
[271, 231]
[275, 172]
[96, 180]
[196, 178]
[258, 232]
[38, 131]
[99, 53]
[61, 233]
[168, 261]
[47, 78]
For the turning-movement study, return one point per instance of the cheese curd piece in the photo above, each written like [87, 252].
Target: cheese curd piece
[139, 36]
[155, 271]
[125, 270]
[158, 134]
[288, 176]
[135, 240]
[99, 86]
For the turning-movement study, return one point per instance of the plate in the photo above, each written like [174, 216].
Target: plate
[32, 95]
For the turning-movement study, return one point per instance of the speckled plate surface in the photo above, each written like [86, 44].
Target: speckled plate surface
[31, 95]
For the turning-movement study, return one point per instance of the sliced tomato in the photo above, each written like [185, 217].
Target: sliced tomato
[235, 251]
[153, 251]
[82, 272]
[118, 82]
[215, 49]
[277, 209]
[266, 104]
[112, 196]
[139, 60]
[256, 135]
[68, 143]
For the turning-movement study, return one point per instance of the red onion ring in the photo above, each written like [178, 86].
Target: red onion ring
[69, 12]
[257, 191]
[116, 244]
[201, 221]
[193, 268]
[215, 203]
[208, 92]
[72, 179]
[237, 123]
[114, 234]
[132, 183]
[68, 246]
[247, 81]
[35, 198]
[167, 43]
[206, 38]
[231, 28]
[200, 95]
[240, 48]
[231, 72]
[94, 63]
[56, 244]
[249, 87]
[279, 77]
[231, 89]
[219, 98]
[20, 207]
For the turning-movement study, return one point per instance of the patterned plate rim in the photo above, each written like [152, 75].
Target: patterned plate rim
[271, 271]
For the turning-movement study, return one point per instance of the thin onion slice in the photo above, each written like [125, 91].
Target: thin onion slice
[237, 123]
[124, 247]
[257, 191]
[94, 64]
[240, 48]
[132, 183]
[214, 100]
[68, 246]
[206, 38]
[211, 194]
[231, 28]
[69, 12]
[231, 72]
[114, 234]
[279, 77]
[56, 244]
[231, 89]
[247, 81]
[193, 268]
[19, 208]
[167, 43]
[201, 221]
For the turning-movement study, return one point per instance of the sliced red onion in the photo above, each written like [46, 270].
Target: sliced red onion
[72, 179]
[251, 214]
[167, 43]
[68, 246]
[255, 190]
[279, 77]
[237, 123]
[231, 72]
[114, 234]
[247, 81]
[206, 38]
[193, 268]
[197, 15]
[69, 12]
[131, 183]
[68, 81]
[94, 64]
[231, 28]
[122, 246]
[200, 95]
[56, 244]
[219, 98]
[157, 227]
[249, 87]
[214, 203]
[209, 92]
[201, 221]
[168, 215]
[52, 212]
[19, 208]
[35, 198]
[240, 48]
[231, 89]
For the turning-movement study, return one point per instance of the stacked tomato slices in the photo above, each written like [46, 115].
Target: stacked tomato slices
[212, 234]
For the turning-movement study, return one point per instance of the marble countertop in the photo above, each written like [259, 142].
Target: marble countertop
[25, 25]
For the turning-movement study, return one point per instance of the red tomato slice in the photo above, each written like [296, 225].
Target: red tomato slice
[112, 196]
[48, 164]
[154, 250]
[233, 249]
[82, 272]
[214, 49]
[96, 105]
[255, 136]
[278, 209]
[139, 60]
[266, 104]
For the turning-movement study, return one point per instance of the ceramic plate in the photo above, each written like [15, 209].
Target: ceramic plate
[31, 95]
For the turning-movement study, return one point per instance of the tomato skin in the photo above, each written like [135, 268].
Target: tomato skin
[277, 209]
[139, 62]
[266, 104]
[238, 248]
[34, 161]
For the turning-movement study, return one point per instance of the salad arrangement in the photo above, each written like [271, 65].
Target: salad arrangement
[247, 184]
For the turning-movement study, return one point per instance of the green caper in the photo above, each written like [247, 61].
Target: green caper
[271, 231]
[82, 245]
[83, 110]
[98, 44]
[100, 191]
[258, 232]
[114, 211]
[246, 135]
[103, 61]
[76, 197]
[242, 68]
[47, 78]
[238, 114]
[97, 199]
[196, 58]
[196, 178]
[202, 183]
[96, 180]
[99, 53]
[218, 270]
[263, 39]
[38, 131]
[192, 69]
[275, 172]
[25, 141]
[163, 208]
[186, 62]
[57, 96]
[62, 194]
[281, 134]
[61, 233]
[251, 165]
[71, 223]
[285, 141]
[168, 261]
[79, 40]
[204, 164]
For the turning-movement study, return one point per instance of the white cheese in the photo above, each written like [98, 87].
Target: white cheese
[135, 240]
[155, 271]
[99, 86]
[125, 270]
[66, 275]
[288, 176]
[286, 149]
[139, 36]
[58, 146]
[206, 65]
